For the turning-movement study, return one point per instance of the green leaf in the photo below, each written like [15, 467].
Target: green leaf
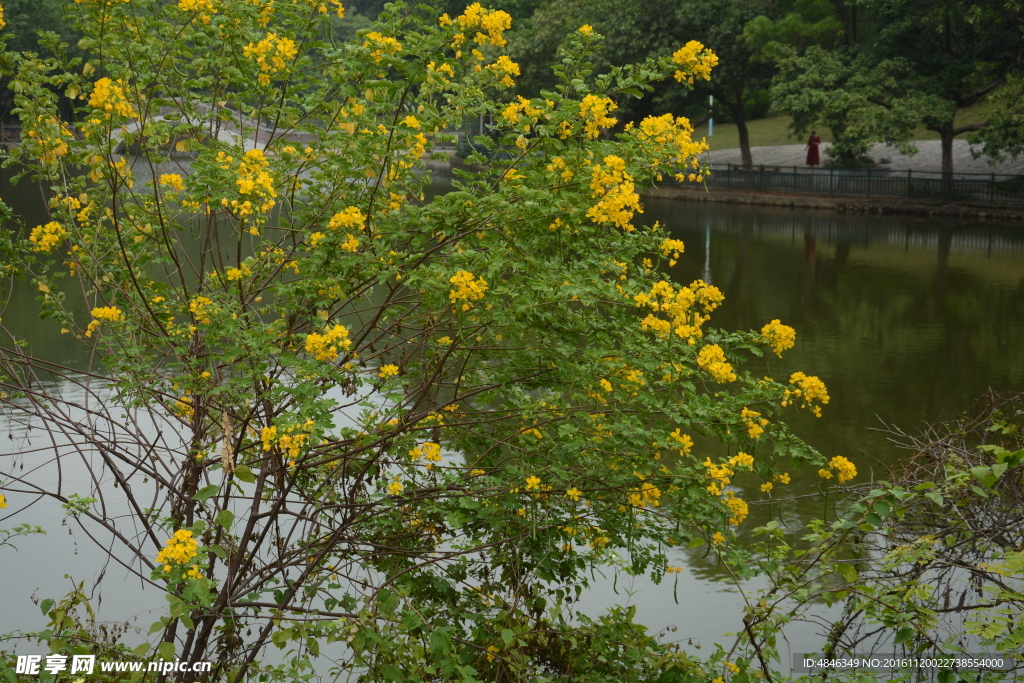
[143, 649]
[848, 572]
[45, 606]
[947, 676]
[903, 635]
[225, 518]
[166, 651]
[245, 474]
[205, 493]
[508, 635]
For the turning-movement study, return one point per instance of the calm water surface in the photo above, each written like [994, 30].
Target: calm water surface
[906, 320]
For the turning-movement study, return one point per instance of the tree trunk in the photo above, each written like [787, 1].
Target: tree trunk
[947, 135]
[741, 128]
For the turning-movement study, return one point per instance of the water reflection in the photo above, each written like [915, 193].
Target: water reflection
[906, 320]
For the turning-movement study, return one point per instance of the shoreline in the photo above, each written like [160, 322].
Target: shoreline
[844, 203]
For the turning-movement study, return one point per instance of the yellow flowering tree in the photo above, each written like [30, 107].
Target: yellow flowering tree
[350, 420]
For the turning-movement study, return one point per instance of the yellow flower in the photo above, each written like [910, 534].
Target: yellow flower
[325, 346]
[586, 29]
[110, 97]
[742, 460]
[766, 487]
[732, 667]
[173, 181]
[778, 336]
[46, 237]
[532, 482]
[712, 360]
[180, 549]
[737, 506]
[781, 478]
[351, 217]
[845, 470]
[594, 112]
[505, 68]
[695, 62]
[271, 55]
[387, 371]
[573, 493]
[395, 487]
[380, 44]
[467, 288]
[717, 538]
[808, 389]
[103, 313]
[825, 474]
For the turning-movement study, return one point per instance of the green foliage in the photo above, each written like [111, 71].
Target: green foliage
[392, 432]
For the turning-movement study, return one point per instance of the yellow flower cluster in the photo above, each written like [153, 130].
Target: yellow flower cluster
[532, 482]
[428, 450]
[618, 197]
[488, 24]
[108, 313]
[845, 470]
[695, 62]
[291, 439]
[809, 389]
[521, 107]
[594, 112]
[467, 288]
[3, 24]
[684, 440]
[351, 217]
[110, 97]
[172, 181]
[754, 422]
[778, 336]
[687, 309]
[738, 507]
[670, 141]
[254, 180]
[181, 549]
[717, 538]
[3, 498]
[506, 68]
[380, 44]
[46, 237]
[202, 308]
[203, 7]
[325, 346]
[271, 55]
[559, 167]
[395, 487]
[720, 476]
[387, 371]
[711, 360]
[671, 248]
[644, 495]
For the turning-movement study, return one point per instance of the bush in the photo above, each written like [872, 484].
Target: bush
[350, 422]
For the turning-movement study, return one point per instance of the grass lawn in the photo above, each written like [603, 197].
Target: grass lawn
[774, 130]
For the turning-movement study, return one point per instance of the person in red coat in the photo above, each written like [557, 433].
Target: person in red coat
[812, 149]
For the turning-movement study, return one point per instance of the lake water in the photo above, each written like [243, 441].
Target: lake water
[906, 320]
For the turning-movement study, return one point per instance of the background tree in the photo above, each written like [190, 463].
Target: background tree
[893, 66]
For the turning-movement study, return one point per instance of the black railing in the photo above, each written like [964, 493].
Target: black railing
[987, 187]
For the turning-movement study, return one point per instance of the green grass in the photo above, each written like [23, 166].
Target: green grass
[774, 130]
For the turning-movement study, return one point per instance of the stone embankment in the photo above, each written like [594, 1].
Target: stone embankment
[927, 160]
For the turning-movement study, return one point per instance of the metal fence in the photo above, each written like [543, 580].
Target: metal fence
[986, 187]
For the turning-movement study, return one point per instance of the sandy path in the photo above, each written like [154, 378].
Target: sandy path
[929, 158]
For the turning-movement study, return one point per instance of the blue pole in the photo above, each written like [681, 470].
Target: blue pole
[711, 122]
